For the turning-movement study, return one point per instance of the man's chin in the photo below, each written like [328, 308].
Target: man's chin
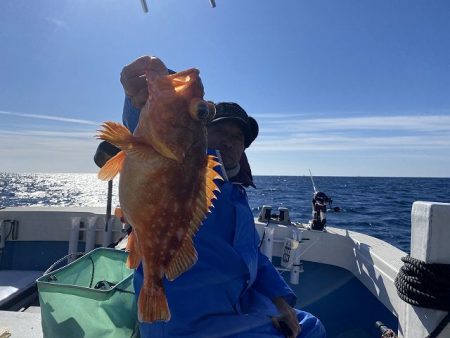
[228, 162]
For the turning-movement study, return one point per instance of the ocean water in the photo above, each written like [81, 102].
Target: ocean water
[380, 207]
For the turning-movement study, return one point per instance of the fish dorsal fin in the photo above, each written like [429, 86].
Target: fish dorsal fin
[112, 167]
[211, 175]
[204, 201]
[186, 255]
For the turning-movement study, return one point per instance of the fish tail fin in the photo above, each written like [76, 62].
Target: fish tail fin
[183, 260]
[134, 258]
[112, 167]
[115, 133]
[152, 304]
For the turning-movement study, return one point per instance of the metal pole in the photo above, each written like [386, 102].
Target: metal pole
[108, 205]
[144, 6]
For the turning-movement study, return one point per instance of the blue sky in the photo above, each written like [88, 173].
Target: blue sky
[348, 87]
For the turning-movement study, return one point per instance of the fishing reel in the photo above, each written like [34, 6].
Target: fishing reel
[320, 202]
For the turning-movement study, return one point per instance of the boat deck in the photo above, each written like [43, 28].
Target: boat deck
[320, 285]
[21, 324]
[347, 280]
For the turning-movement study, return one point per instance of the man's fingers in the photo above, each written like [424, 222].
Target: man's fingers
[276, 323]
[294, 325]
[289, 327]
[134, 85]
[288, 317]
[137, 104]
[295, 329]
[145, 63]
[137, 67]
[142, 96]
[133, 76]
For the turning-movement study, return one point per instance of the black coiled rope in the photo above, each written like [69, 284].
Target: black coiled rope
[425, 285]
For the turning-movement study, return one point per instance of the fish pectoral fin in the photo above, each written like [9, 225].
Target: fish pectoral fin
[183, 260]
[117, 134]
[152, 304]
[112, 167]
[134, 257]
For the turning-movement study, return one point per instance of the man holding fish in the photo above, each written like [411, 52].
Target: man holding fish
[206, 278]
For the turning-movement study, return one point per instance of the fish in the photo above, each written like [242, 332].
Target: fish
[167, 182]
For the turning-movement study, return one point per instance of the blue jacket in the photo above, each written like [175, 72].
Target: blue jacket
[228, 292]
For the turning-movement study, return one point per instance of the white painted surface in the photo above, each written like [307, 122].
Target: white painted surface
[21, 324]
[73, 236]
[54, 223]
[374, 262]
[430, 242]
[90, 233]
[267, 244]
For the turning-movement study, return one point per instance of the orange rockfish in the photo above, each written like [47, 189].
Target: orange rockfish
[166, 182]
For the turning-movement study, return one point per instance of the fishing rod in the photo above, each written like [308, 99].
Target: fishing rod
[312, 181]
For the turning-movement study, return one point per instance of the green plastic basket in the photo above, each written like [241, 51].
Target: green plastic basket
[90, 297]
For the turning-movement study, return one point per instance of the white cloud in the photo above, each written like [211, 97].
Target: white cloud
[45, 148]
[48, 133]
[50, 117]
[30, 147]
[33, 153]
[396, 133]
[423, 123]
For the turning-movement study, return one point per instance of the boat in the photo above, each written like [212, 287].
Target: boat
[345, 278]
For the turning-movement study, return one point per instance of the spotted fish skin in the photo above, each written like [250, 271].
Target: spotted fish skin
[166, 185]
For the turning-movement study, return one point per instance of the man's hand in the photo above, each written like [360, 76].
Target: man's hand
[134, 78]
[288, 318]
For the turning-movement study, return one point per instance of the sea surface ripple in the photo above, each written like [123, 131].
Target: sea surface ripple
[376, 206]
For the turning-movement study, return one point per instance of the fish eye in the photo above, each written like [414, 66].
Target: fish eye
[202, 111]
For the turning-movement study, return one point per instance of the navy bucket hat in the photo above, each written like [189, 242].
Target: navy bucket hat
[230, 111]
